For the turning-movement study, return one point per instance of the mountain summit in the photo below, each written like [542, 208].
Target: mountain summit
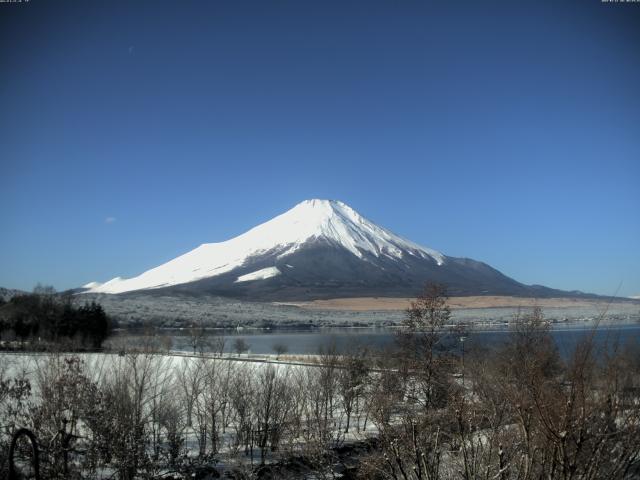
[318, 249]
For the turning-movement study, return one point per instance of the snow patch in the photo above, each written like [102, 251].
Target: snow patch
[259, 275]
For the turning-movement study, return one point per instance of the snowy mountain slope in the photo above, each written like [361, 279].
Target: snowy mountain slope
[318, 249]
[309, 221]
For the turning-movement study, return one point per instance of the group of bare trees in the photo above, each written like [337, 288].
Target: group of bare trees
[141, 414]
[521, 411]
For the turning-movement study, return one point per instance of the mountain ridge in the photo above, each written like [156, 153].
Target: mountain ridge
[319, 249]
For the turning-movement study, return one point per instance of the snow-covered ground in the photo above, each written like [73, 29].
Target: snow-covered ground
[173, 366]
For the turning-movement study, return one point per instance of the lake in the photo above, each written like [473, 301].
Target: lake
[345, 339]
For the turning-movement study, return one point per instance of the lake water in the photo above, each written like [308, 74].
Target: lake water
[345, 339]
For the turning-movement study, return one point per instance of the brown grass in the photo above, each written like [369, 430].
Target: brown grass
[382, 303]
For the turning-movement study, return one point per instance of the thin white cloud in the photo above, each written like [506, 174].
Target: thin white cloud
[110, 220]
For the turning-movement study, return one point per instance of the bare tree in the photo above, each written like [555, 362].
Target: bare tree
[352, 378]
[280, 348]
[189, 381]
[218, 376]
[197, 337]
[242, 393]
[420, 343]
[171, 420]
[200, 411]
[218, 343]
[240, 345]
[272, 406]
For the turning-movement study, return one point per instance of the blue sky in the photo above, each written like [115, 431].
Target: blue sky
[508, 132]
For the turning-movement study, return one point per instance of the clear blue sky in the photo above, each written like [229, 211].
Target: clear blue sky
[505, 131]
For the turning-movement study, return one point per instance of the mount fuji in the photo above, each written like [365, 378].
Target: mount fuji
[319, 249]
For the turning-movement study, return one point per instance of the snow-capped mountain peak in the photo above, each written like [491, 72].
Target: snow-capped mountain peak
[338, 222]
[330, 221]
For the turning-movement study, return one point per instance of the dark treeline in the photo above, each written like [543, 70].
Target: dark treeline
[44, 317]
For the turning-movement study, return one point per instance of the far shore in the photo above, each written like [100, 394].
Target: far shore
[363, 304]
